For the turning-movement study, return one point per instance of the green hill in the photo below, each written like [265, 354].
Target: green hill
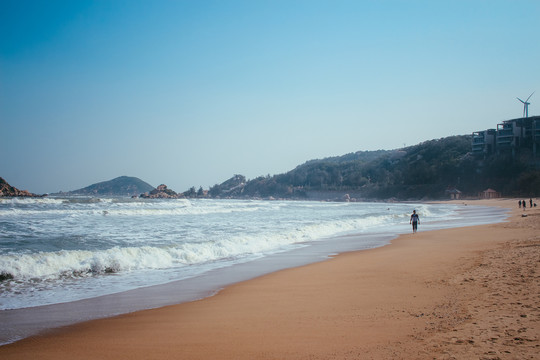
[120, 186]
[423, 171]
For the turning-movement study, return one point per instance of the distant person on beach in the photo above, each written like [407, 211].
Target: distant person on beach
[414, 221]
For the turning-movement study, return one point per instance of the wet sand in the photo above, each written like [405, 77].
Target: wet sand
[465, 293]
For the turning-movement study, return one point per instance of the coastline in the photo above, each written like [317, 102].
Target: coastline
[453, 292]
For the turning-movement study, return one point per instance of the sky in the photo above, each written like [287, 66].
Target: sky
[190, 92]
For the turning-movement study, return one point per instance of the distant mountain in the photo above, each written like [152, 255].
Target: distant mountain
[121, 186]
[7, 190]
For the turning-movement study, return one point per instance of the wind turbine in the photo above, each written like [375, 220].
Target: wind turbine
[526, 104]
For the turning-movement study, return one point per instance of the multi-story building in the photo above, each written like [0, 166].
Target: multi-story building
[510, 135]
[483, 142]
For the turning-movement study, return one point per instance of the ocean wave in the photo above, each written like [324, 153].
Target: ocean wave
[113, 207]
[45, 265]
[87, 247]
[31, 201]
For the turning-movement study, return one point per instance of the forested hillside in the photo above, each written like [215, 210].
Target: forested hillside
[422, 171]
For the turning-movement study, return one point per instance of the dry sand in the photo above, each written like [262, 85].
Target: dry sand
[466, 293]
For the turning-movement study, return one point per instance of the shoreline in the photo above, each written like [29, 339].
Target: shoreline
[19, 323]
[383, 302]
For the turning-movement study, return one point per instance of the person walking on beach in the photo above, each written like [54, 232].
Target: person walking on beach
[415, 220]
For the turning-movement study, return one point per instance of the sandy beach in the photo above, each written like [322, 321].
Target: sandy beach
[463, 293]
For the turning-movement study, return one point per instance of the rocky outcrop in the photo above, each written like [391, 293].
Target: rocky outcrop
[161, 192]
[7, 190]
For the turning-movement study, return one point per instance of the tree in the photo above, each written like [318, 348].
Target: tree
[191, 192]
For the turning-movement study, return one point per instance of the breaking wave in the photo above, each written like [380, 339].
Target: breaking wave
[72, 248]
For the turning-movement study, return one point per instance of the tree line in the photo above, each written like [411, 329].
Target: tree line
[425, 170]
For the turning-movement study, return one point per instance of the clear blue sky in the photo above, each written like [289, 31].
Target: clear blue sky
[188, 93]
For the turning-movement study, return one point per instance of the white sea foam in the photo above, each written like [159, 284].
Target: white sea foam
[31, 201]
[68, 248]
[117, 259]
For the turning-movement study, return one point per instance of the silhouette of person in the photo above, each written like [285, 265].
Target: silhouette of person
[415, 220]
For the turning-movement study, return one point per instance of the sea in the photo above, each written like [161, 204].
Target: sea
[66, 260]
